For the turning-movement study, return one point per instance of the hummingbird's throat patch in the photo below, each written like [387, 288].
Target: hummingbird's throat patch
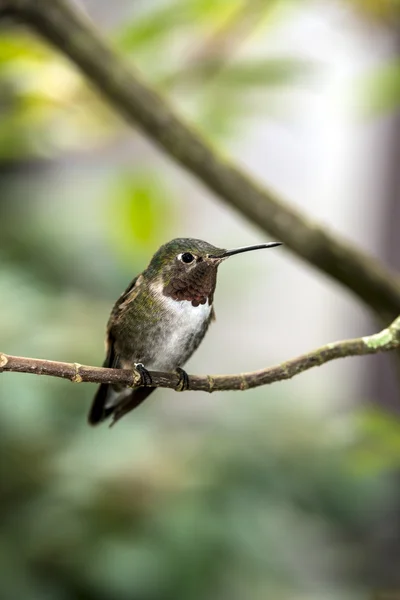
[197, 286]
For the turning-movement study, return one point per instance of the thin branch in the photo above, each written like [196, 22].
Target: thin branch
[384, 341]
[69, 30]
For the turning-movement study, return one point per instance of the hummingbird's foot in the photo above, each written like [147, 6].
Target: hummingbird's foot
[183, 383]
[144, 374]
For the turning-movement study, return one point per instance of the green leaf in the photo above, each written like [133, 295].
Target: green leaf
[165, 20]
[381, 91]
[213, 10]
[21, 47]
[138, 215]
[151, 27]
[378, 446]
[265, 72]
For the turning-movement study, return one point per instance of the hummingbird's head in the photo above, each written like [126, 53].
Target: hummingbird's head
[186, 269]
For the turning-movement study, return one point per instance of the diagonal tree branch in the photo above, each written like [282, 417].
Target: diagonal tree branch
[69, 30]
[384, 341]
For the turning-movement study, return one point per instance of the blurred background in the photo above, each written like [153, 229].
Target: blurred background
[288, 491]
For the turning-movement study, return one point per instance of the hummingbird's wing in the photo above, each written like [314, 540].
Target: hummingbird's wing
[98, 411]
[111, 401]
[125, 299]
[106, 400]
[112, 358]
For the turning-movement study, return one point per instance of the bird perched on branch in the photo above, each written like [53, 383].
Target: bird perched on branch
[160, 320]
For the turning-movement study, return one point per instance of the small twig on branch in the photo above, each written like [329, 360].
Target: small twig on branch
[388, 339]
[61, 23]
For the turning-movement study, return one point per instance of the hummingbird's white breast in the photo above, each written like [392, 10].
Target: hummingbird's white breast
[181, 333]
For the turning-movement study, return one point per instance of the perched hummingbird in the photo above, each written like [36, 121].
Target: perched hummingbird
[160, 320]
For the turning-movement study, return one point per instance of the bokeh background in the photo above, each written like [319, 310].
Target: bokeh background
[288, 491]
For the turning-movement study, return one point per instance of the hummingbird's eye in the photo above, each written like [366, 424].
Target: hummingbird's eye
[186, 257]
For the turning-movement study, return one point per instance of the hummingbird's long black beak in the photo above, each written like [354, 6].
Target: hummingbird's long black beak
[246, 249]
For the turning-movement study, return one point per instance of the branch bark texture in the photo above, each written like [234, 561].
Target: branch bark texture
[384, 341]
[62, 23]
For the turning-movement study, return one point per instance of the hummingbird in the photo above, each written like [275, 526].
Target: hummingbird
[160, 320]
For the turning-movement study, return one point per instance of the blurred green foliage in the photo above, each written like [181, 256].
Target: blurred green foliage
[254, 499]
[382, 12]
[381, 90]
[144, 212]
[378, 447]
[186, 511]
[44, 106]
[183, 46]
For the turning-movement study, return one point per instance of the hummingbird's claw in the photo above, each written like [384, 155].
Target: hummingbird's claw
[144, 374]
[183, 383]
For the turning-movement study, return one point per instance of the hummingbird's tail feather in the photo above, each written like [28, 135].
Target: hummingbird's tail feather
[99, 409]
[103, 402]
[108, 401]
[128, 403]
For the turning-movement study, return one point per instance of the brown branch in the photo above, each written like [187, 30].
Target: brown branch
[69, 30]
[388, 339]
